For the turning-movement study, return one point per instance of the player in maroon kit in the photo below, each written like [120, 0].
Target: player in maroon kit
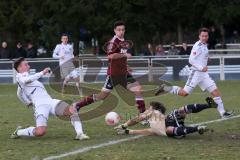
[118, 72]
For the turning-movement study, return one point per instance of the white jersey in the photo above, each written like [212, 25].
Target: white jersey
[64, 52]
[23, 97]
[31, 90]
[199, 56]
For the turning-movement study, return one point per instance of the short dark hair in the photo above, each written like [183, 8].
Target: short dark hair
[158, 106]
[64, 34]
[204, 29]
[118, 23]
[18, 62]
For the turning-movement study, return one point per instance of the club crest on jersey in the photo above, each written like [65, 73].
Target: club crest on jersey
[123, 51]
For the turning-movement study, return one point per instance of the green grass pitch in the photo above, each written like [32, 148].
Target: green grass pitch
[223, 143]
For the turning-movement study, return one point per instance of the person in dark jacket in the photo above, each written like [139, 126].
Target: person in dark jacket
[185, 50]
[31, 51]
[20, 51]
[4, 51]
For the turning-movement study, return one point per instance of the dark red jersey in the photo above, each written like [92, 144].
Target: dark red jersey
[118, 66]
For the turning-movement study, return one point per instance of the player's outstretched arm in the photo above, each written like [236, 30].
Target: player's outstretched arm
[131, 122]
[145, 132]
[28, 79]
[135, 120]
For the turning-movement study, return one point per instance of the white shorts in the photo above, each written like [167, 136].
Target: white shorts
[66, 68]
[42, 111]
[74, 74]
[202, 79]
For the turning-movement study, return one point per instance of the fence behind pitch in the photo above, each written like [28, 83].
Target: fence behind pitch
[93, 69]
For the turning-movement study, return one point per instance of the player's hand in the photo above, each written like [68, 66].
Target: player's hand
[205, 69]
[30, 105]
[121, 131]
[121, 126]
[118, 127]
[46, 71]
[128, 55]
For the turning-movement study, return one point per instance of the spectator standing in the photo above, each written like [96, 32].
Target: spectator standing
[4, 51]
[31, 51]
[185, 50]
[20, 51]
[148, 50]
[173, 50]
[159, 51]
[235, 36]
[212, 41]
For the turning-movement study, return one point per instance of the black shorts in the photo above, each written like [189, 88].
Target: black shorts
[174, 120]
[112, 81]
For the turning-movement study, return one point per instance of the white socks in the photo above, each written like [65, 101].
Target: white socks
[29, 132]
[75, 120]
[220, 107]
[173, 90]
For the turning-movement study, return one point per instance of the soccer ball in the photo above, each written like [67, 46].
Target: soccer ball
[112, 118]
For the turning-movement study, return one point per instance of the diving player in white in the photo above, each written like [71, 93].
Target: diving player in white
[199, 75]
[32, 92]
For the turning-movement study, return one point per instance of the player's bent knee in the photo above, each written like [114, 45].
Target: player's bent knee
[182, 111]
[169, 130]
[40, 131]
[216, 93]
[62, 109]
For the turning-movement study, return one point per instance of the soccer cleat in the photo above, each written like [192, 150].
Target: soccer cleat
[163, 88]
[202, 129]
[160, 90]
[211, 102]
[82, 136]
[227, 114]
[14, 134]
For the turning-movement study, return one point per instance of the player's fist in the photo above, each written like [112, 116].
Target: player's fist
[205, 69]
[30, 105]
[46, 71]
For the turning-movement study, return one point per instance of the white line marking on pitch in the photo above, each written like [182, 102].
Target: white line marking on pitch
[86, 149]
[109, 143]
